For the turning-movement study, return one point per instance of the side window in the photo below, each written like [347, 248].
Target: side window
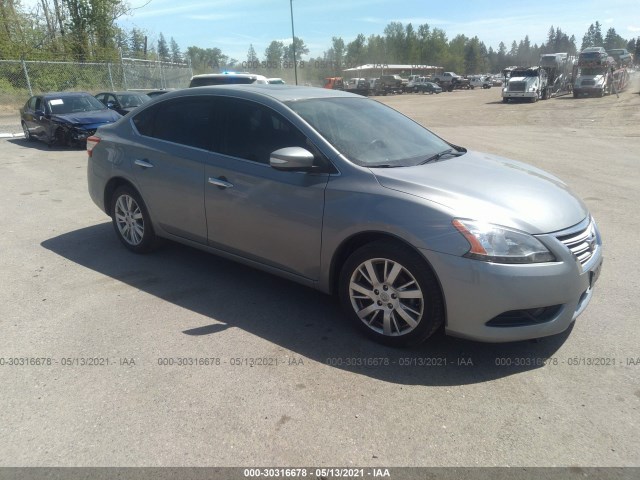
[184, 120]
[37, 103]
[100, 98]
[252, 131]
[112, 99]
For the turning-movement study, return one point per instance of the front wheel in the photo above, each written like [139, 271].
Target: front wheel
[391, 294]
[131, 220]
[27, 133]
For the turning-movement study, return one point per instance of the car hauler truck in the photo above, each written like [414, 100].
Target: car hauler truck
[559, 67]
[526, 83]
[598, 74]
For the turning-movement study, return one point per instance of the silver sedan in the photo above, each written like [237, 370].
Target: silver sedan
[348, 196]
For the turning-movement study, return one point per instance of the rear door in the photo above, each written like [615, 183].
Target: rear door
[37, 123]
[168, 162]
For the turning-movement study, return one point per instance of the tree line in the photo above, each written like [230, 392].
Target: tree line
[88, 30]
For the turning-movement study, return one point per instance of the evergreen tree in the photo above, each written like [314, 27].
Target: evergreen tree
[163, 49]
[137, 40]
[300, 48]
[252, 58]
[176, 55]
[273, 54]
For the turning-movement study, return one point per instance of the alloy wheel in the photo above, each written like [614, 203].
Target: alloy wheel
[129, 219]
[386, 297]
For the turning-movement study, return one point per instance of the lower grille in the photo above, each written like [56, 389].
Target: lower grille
[522, 318]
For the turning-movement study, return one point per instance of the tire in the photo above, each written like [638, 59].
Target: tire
[534, 99]
[131, 220]
[379, 307]
[61, 138]
[27, 133]
[505, 100]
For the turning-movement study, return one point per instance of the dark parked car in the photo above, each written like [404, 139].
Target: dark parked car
[344, 194]
[123, 102]
[64, 118]
[428, 87]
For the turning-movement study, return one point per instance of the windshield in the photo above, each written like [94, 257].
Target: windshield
[592, 71]
[524, 73]
[130, 100]
[369, 133]
[74, 104]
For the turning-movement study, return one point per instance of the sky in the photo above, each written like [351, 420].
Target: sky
[233, 25]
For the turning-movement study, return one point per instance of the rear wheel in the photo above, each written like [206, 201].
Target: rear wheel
[391, 294]
[131, 220]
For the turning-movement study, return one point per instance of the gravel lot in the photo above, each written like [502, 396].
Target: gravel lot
[70, 292]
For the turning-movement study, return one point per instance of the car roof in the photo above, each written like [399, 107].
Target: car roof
[282, 93]
[62, 94]
[123, 92]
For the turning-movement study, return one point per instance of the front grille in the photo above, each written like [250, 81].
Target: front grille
[582, 243]
[517, 86]
[588, 83]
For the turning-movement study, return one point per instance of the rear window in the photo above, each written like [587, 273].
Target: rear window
[222, 80]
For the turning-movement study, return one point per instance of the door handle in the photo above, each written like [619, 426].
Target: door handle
[143, 163]
[220, 182]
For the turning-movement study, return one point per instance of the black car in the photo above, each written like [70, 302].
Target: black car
[428, 87]
[64, 118]
[123, 102]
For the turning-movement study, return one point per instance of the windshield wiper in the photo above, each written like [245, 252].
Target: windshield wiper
[438, 156]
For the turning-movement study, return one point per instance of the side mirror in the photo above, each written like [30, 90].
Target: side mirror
[39, 113]
[292, 159]
[110, 104]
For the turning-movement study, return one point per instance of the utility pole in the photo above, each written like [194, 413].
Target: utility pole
[293, 45]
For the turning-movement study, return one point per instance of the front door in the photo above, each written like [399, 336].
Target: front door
[270, 216]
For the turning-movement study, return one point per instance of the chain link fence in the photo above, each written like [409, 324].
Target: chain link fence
[20, 79]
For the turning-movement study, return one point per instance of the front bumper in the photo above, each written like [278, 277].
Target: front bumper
[588, 91]
[477, 292]
[519, 94]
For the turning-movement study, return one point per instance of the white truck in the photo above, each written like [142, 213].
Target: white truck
[450, 80]
[594, 73]
[529, 83]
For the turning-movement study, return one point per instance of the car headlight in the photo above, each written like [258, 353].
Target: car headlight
[492, 243]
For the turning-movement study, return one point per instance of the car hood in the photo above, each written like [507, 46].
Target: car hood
[493, 189]
[88, 118]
